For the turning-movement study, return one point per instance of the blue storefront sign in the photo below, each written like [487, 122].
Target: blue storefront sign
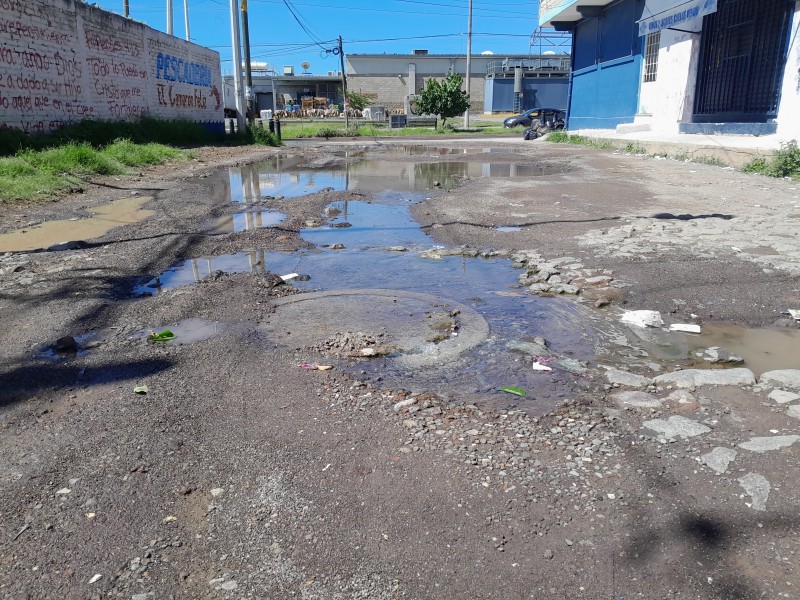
[681, 15]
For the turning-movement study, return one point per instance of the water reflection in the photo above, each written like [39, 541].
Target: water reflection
[247, 221]
[290, 177]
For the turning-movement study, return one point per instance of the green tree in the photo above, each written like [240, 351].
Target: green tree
[443, 98]
[357, 101]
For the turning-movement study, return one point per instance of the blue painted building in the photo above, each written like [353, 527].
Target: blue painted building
[607, 60]
[689, 66]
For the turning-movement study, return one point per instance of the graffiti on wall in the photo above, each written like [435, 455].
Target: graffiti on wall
[56, 68]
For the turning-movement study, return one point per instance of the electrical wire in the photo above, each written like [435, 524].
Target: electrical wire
[299, 20]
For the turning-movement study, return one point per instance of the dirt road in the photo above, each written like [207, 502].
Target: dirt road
[633, 469]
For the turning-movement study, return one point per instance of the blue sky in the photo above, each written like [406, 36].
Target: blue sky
[276, 36]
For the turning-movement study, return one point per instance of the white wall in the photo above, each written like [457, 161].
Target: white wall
[63, 61]
[670, 97]
[789, 108]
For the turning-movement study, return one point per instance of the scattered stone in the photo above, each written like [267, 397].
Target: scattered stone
[572, 365]
[691, 378]
[397, 249]
[719, 459]
[535, 348]
[642, 318]
[627, 379]
[599, 280]
[783, 397]
[717, 355]
[229, 586]
[147, 596]
[565, 288]
[794, 411]
[758, 488]
[95, 578]
[765, 444]
[65, 345]
[676, 426]
[63, 492]
[637, 399]
[781, 378]
[217, 492]
[548, 554]
[404, 404]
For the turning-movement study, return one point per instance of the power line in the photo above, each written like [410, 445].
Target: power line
[302, 25]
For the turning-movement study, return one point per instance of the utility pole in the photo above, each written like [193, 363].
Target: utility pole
[185, 17]
[469, 59]
[169, 17]
[126, 9]
[237, 66]
[344, 85]
[247, 67]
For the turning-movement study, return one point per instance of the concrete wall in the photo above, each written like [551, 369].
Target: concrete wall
[63, 61]
[391, 90]
[789, 109]
[428, 64]
[670, 98]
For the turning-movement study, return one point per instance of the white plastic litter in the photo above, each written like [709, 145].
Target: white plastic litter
[540, 367]
[685, 327]
[795, 313]
[642, 318]
[290, 276]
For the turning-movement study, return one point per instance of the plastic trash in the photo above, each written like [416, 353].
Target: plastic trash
[685, 327]
[642, 318]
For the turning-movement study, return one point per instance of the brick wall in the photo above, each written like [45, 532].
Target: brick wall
[63, 61]
[390, 90]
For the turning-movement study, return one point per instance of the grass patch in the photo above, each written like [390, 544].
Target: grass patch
[46, 174]
[293, 130]
[562, 137]
[783, 163]
[100, 134]
[709, 160]
[632, 148]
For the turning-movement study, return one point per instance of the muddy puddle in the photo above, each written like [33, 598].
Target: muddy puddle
[51, 233]
[293, 176]
[369, 250]
[762, 349]
[375, 245]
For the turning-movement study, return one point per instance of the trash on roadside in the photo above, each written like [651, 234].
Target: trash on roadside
[512, 390]
[642, 318]
[163, 336]
[685, 327]
[315, 367]
[290, 276]
[141, 389]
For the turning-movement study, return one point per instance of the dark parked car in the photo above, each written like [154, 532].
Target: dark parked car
[542, 114]
[549, 120]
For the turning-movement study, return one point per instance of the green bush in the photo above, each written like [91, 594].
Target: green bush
[783, 163]
[262, 136]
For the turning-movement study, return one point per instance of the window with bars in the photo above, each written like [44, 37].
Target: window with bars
[651, 56]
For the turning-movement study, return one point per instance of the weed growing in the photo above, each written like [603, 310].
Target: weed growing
[261, 136]
[783, 163]
[562, 137]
